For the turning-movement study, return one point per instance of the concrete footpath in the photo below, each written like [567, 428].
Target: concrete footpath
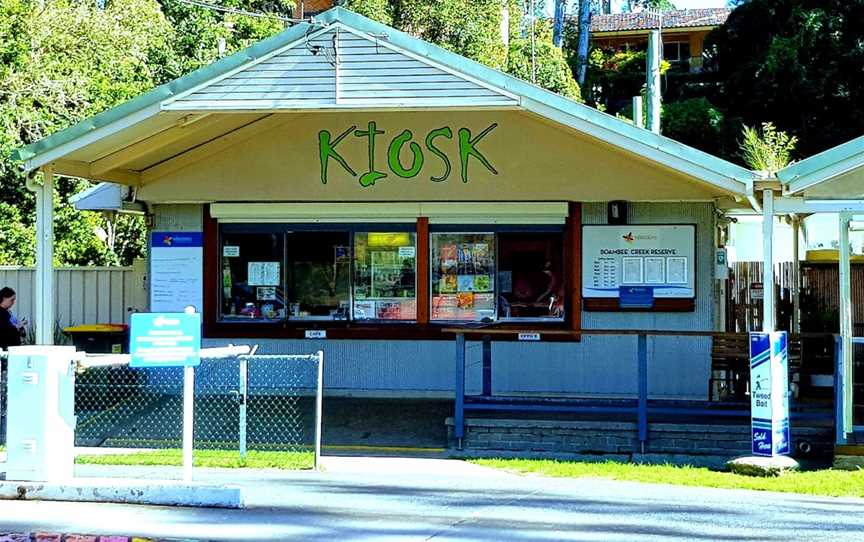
[363, 498]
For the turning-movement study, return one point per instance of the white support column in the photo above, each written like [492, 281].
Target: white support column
[796, 275]
[768, 308]
[846, 320]
[655, 55]
[44, 288]
[637, 112]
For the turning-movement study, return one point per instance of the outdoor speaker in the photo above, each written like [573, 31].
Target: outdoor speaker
[616, 212]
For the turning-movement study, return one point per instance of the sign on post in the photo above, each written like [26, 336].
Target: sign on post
[769, 393]
[165, 340]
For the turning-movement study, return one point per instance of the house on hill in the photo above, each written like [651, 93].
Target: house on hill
[683, 30]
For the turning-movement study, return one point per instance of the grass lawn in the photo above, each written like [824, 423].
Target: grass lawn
[207, 458]
[828, 482]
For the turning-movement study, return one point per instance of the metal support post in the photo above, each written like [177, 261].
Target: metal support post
[769, 310]
[796, 275]
[242, 399]
[642, 354]
[459, 415]
[319, 409]
[188, 420]
[487, 366]
[44, 294]
[846, 321]
[839, 391]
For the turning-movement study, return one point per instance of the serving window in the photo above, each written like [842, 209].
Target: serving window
[503, 275]
[272, 273]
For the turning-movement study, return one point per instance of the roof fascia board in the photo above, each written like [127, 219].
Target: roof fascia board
[675, 156]
[822, 167]
[709, 168]
[255, 61]
[91, 132]
[76, 168]
[784, 205]
[70, 139]
[443, 67]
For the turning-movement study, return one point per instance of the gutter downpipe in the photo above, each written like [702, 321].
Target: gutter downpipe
[43, 319]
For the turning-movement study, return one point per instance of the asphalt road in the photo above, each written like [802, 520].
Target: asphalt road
[385, 499]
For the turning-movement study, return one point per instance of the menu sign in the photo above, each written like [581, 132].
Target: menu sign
[659, 257]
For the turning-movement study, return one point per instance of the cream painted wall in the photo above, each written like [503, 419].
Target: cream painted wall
[535, 161]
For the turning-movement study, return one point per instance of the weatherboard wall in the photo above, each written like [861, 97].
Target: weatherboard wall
[596, 366]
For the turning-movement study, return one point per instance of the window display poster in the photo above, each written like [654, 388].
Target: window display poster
[263, 274]
[176, 271]
[660, 256]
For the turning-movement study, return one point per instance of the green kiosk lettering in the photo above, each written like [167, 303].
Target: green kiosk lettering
[399, 163]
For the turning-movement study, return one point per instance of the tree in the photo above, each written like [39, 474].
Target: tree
[59, 65]
[652, 5]
[694, 122]
[583, 37]
[797, 63]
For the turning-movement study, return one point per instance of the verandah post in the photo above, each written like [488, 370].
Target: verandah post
[458, 418]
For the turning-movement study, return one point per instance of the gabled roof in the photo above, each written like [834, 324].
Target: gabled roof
[814, 173]
[674, 19]
[114, 145]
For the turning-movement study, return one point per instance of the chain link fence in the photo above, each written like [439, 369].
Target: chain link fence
[253, 410]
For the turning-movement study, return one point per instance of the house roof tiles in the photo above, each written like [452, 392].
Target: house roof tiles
[679, 18]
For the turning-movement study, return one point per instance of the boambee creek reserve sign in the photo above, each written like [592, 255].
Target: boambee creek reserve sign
[658, 259]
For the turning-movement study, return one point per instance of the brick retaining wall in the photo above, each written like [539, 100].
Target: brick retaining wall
[621, 438]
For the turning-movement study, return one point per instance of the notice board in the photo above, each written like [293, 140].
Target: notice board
[176, 271]
[659, 258]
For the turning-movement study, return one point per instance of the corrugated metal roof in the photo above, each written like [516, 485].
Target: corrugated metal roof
[678, 18]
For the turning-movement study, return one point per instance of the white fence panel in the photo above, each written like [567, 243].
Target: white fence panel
[82, 295]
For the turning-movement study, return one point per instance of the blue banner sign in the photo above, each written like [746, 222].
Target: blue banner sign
[165, 340]
[769, 393]
[636, 297]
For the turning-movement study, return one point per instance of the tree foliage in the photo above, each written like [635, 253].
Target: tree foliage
[694, 122]
[796, 63]
[59, 65]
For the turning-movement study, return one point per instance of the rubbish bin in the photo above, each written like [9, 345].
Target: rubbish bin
[100, 338]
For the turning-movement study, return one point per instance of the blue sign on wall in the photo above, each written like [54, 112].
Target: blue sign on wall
[769, 393]
[165, 340]
[636, 297]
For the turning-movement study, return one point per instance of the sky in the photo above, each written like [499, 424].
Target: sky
[680, 4]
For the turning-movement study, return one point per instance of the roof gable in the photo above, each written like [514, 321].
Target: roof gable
[338, 67]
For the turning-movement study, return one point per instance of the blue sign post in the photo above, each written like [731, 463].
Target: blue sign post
[769, 393]
[165, 340]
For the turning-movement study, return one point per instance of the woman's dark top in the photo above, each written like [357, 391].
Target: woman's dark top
[9, 334]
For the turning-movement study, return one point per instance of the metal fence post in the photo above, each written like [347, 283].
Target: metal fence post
[244, 389]
[319, 408]
[458, 418]
[642, 354]
[188, 420]
[839, 391]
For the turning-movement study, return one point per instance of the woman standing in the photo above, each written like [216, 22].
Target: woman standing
[11, 330]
